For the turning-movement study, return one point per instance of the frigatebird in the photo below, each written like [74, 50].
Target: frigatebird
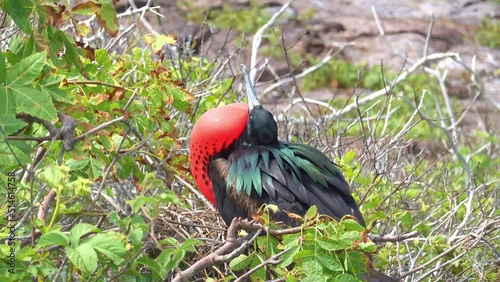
[239, 164]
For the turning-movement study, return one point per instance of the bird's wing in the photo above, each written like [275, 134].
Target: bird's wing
[325, 185]
[291, 176]
[229, 203]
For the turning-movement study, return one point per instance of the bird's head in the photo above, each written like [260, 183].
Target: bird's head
[261, 128]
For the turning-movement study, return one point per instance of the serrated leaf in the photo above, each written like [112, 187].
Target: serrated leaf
[12, 154]
[328, 261]
[349, 237]
[7, 103]
[106, 18]
[75, 164]
[355, 261]
[96, 167]
[79, 230]
[27, 69]
[136, 236]
[60, 95]
[83, 257]
[352, 225]
[330, 245]
[53, 238]
[108, 245]
[33, 102]
[19, 11]
[107, 142]
[240, 262]
[181, 98]
[3, 69]
[10, 124]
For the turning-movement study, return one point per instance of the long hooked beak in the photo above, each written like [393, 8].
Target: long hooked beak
[253, 99]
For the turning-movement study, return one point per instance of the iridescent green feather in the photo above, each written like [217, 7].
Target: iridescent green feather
[295, 158]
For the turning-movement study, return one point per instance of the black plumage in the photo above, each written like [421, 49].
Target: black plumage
[259, 169]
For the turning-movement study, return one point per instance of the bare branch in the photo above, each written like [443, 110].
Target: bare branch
[232, 248]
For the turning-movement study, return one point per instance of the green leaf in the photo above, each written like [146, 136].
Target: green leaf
[406, 219]
[96, 168]
[368, 247]
[59, 94]
[349, 157]
[7, 103]
[106, 17]
[304, 254]
[346, 277]
[75, 164]
[108, 245]
[314, 278]
[157, 41]
[189, 244]
[170, 241]
[169, 259]
[352, 225]
[27, 69]
[33, 102]
[240, 262]
[136, 236]
[3, 69]
[287, 258]
[53, 238]
[19, 11]
[328, 261]
[107, 142]
[355, 261]
[139, 202]
[181, 98]
[83, 257]
[312, 212]
[330, 245]
[349, 237]
[11, 124]
[72, 54]
[54, 175]
[79, 230]
[260, 274]
[13, 154]
[153, 265]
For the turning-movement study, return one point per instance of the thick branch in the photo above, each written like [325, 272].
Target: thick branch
[232, 248]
